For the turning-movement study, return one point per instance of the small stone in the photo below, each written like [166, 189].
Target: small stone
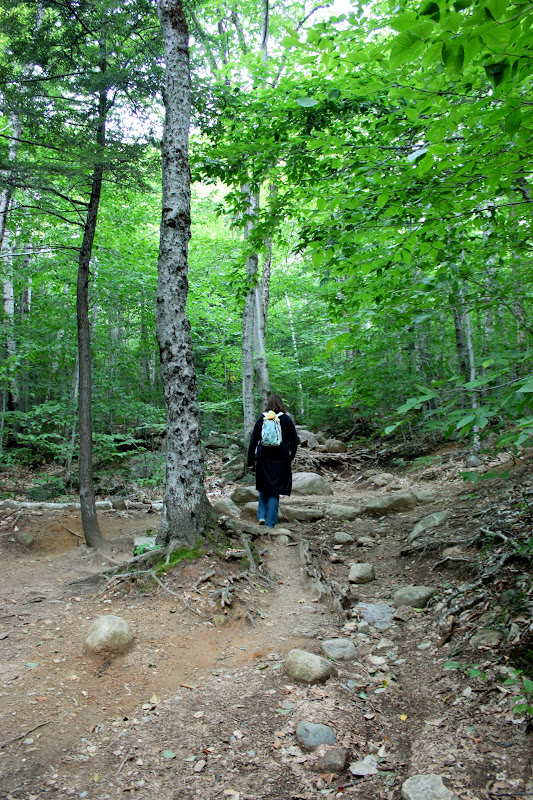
[426, 496]
[219, 620]
[304, 633]
[109, 635]
[333, 760]
[366, 541]
[377, 661]
[360, 769]
[199, 766]
[310, 735]
[336, 558]
[424, 646]
[361, 573]
[377, 614]
[472, 461]
[308, 667]
[283, 539]
[339, 649]
[363, 626]
[382, 479]
[403, 613]
[414, 596]
[486, 638]
[226, 506]
[342, 537]
[426, 787]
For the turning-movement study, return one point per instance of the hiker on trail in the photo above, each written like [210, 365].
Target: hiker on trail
[272, 449]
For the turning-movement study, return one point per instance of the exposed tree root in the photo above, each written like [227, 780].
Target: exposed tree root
[336, 593]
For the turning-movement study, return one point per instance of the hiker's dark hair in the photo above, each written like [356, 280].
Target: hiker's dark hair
[275, 403]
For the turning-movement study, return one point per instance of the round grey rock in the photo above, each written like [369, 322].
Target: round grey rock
[342, 537]
[310, 735]
[362, 573]
[308, 667]
[109, 635]
[472, 461]
[361, 769]
[426, 787]
[25, 538]
[414, 596]
[339, 649]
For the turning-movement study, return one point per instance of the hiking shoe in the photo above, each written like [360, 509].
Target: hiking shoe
[262, 521]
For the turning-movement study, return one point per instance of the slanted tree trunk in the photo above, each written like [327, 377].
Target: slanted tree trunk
[185, 507]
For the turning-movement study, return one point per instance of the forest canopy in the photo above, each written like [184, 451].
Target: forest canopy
[361, 207]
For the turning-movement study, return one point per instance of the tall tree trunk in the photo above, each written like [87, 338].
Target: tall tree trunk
[11, 343]
[248, 323]
[185, 507]
[301, 410]
[91, 529]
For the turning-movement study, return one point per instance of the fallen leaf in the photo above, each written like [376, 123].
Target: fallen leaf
[403, 717]
[198, 714]
[168, 754]
[155, 699]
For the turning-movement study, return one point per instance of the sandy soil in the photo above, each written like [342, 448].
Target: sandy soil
[201, 707]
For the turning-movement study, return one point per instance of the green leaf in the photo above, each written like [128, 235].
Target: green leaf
[382, 199]
[405, 47]
[317, 258]
[168, 754]
[497, 37]
[334, 94]
[452, 665]
[497, 7]
[464, 421]
[306, 102]
[453, 56]
[417, 154]
[430, 9]
[513, 122]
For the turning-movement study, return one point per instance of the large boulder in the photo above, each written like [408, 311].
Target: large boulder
[310, 483]
[428, 522]
[109, 635]
[244, 494]
[426, 496]
[226, 506]
[335, 446]
[338, 511]
[414, 596]
[308, 439]
[401, 501]
[308, 667]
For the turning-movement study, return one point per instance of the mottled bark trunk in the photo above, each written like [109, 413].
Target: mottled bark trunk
[185, 508]
[9, 313]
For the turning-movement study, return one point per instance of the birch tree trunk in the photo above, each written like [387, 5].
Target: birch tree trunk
[248, 323]
[185, 508]
[11, 343]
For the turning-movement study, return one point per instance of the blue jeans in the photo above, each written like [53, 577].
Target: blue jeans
[267, 509]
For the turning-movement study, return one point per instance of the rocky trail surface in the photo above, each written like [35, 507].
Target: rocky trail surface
[322, 675]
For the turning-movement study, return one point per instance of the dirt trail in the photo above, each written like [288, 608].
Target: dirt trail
[197, 710]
